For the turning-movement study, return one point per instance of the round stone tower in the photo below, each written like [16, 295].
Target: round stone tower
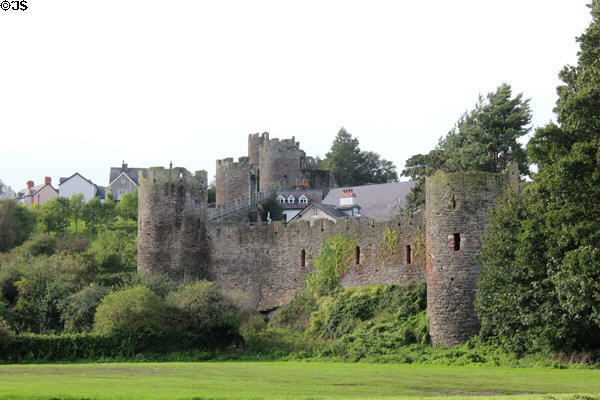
[254, 142]
[456, 207]
[172, 223]
[234, 180]
[280, 162]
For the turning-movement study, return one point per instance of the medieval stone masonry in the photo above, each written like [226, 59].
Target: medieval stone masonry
[269, 263]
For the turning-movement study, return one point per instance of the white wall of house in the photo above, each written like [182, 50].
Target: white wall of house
[75, 185]
[289, 214]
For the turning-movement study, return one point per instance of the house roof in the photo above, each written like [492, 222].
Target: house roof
[33, 190]
[379, 202]
[313, 196]
[328, 209]
[100, 190]
[132, 173]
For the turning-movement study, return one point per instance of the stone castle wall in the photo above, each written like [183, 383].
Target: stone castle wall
[265, 262]
[269, 263]
[234, 180]
[456, 207]
[172, 223]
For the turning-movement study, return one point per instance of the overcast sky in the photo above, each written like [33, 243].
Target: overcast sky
[87, 84]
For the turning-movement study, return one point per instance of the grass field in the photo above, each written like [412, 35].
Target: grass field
[286, 380]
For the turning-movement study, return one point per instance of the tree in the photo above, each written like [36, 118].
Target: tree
[271, 208]
[353, 167]
[483, 139]
[127, 208]
[76, 205]
[92, 214]
[543, 290]
[16, 224]
[53, 216]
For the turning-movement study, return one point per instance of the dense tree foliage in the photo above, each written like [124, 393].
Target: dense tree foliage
[540, 281]
[16, 224]
[353, 167]
[483, 139]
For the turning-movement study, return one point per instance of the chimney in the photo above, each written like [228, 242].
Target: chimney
[29, 184]
[305, 182]
[123, 166]
[347, 198]
[47, 180]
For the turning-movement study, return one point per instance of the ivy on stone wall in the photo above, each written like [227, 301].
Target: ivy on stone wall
[389, 245]
[330, 264]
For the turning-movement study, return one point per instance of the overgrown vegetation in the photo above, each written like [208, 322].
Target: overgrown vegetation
[539, 288]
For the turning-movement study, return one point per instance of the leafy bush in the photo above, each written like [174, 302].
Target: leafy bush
[296, 313]
[16, 224]
[161, 284]
[43, 287]
[202, 308]
[344, 311]
[5, 334]
[79, 309]
[137, 311]
[41, 245]
[72, 244]
[116, 251]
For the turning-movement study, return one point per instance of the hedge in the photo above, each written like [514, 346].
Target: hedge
[87, 346]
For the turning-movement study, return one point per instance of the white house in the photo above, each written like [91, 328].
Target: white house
[76, 184]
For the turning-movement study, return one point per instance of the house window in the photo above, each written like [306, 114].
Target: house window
[357, 256]
[315, 211]
[456, 246]
[303, 200]
[291, 199]
[280, 199]
[302, 258]
[408, 254]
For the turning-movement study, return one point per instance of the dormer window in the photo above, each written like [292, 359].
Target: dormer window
[280, 199]
[291, 199]
[303, 200]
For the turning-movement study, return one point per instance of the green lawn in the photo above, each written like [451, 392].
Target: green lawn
[284, 380]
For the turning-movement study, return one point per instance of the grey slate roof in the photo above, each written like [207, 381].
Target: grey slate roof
[380, 202]
[313, 195]
[132, 173]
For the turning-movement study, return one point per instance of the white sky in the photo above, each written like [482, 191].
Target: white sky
[86, 84]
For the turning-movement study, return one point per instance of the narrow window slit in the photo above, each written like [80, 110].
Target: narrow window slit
[357, 256]
[408, 254]
[457, 242]
[302, 258]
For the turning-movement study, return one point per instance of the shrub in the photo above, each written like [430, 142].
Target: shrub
[41, 245]
[137, 311]
[116, 251]
[5, 334]
[161, 284]
[344, 311]
[79, 309]
[44, 285]
[203, 308]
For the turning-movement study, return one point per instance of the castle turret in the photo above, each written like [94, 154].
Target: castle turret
[172, 223]
[456, 207]
[254, 142]
[235, 180]
[280, 162]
